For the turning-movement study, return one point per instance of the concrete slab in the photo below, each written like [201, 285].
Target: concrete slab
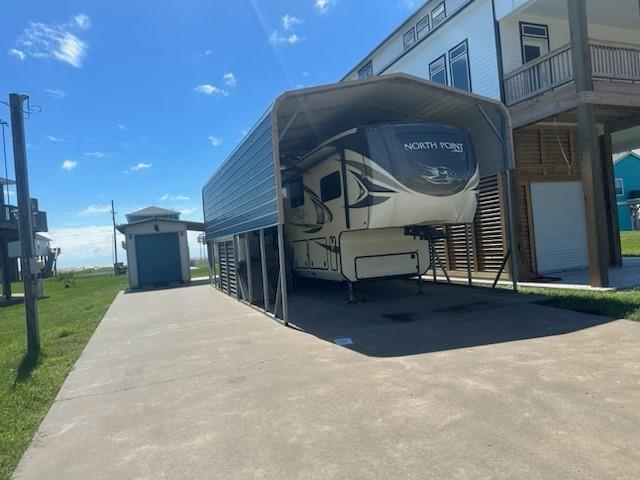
[190, 384]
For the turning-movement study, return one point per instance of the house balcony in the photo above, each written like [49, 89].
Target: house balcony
[612, 62]
[545, 88]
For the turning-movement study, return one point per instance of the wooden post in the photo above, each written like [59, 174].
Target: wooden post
[596, 218]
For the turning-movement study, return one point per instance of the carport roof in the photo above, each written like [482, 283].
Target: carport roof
[305, 118]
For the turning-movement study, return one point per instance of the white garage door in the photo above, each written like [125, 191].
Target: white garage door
[559, 226]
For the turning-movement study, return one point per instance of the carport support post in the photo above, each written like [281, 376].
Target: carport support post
[263, 264]
[283, 275]
[247, 250]
[467, 246]
[592, 178]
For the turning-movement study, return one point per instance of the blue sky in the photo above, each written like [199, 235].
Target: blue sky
[141, 100]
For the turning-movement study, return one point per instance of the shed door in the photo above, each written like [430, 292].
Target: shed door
[559, 226]
[158, 259]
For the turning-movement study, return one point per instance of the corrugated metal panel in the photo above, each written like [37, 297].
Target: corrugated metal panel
[227, 260]
[241, 195]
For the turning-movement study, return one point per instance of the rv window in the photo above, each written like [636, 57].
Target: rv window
[296, 193]
[330, 187]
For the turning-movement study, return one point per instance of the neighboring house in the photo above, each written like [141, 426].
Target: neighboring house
[626, 168]
[520, 51]
[9, 234]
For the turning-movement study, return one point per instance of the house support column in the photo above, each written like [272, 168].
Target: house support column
[615, 249]
[592, 169]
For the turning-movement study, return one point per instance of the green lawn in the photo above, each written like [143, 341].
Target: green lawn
[630, 244]
[620, 304]
[68, 317]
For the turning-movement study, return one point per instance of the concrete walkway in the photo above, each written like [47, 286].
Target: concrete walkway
[190, 384]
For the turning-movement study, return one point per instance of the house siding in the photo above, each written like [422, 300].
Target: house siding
[559, 35]
[474, 24]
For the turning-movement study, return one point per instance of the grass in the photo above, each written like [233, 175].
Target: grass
[29, 384]
[630, 244]
[618, 304]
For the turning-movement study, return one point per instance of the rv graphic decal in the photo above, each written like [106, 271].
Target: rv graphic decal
[331, 248]
[323, 214]
[439, 175]
[367, 188]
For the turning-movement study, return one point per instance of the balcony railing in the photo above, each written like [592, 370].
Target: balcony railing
[9, 214]
[611, 61]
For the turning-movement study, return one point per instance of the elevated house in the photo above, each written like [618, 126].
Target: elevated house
[626, 169]
[569, 71]
[9, 235]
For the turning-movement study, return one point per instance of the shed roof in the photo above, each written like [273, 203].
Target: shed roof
[152, 211]
[195, 226]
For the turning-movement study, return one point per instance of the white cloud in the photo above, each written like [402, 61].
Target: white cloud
[230, 79]
[187, 212]
[69, 165]
[215, 141]
[278, 37]
[86, 246]
[208, 89]
[207, 53]
[49, 41]
[83, 21]
[139, 166]
[93, 209]
[121, 126]
[175, 198]
[94, 154]
[55, 93]
[322, 6]
[289, 22]
[51, 138]
[17, 53]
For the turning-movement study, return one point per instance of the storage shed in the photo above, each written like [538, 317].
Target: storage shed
[157, 247]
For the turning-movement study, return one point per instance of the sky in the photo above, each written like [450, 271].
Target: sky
[140, 101]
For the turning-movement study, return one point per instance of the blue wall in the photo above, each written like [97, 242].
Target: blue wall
[628, 169]
[241, 195]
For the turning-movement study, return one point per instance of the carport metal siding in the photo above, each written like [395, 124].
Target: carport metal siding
[241, 195]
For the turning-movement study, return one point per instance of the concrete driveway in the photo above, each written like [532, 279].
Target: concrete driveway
[190, 384]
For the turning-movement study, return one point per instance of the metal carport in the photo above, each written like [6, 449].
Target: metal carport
[245, 193]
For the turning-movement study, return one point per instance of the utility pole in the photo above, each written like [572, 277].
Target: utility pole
[115, 244]
[25, 222]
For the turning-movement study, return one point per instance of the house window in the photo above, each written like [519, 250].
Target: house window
[366, 71]
[619, 186]
[534, 39]
[459, 66]
[423, 27]
[438, 70]
[296, 193]
[438, 15]
[409, 38]
[330, 187]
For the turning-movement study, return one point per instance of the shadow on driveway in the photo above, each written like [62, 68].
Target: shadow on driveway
[394, 321]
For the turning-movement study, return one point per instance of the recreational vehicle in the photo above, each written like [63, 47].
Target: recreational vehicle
[361, 204]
